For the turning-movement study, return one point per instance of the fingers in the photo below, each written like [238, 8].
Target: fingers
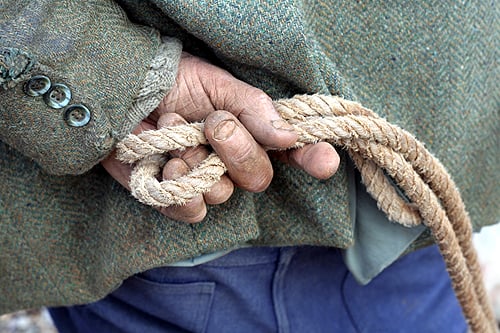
[220, 191]
[320, 160]
[192, 212]
[248, 164]
[118, 170]
[202, 88]
[183, 161]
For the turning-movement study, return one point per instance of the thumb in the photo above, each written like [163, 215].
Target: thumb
[247, 163]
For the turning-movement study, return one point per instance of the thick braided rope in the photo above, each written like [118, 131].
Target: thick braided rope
[377, 148]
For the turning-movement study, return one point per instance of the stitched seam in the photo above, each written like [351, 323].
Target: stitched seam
[284, 259]
[345, 304]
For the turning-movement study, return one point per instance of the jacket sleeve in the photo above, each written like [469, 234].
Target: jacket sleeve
[75, 78]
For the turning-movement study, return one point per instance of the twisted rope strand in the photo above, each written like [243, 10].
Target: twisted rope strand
[423, 162]
[148, 190]
[161, 141]
[374, 145]
[434, 217]
[389, 200]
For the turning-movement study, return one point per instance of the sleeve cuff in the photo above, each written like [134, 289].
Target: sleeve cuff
[160, 78]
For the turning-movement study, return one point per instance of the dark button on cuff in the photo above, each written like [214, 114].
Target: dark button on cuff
[37, 86]
[58, 97]
[77, 115]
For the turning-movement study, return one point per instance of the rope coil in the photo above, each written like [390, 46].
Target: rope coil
[377, 148]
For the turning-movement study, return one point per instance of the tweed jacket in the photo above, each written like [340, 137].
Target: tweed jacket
[71, 74]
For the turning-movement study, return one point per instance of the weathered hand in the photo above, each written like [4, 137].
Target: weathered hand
[238, 135]
[203, 88]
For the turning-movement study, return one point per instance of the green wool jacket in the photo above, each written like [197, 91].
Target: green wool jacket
[70, 234]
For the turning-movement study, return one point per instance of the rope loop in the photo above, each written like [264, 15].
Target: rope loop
[383, 153]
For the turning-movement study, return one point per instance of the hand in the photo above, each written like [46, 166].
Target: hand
[238, 135]
[202, 89]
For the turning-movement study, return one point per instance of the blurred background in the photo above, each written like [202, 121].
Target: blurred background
[487, 244]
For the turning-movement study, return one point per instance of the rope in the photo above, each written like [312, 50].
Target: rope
[378, 149]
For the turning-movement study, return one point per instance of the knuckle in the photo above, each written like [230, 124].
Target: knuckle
[251, 169]
[259, 96]
[243, 156]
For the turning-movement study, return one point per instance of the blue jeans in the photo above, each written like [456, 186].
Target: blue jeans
[289, 289]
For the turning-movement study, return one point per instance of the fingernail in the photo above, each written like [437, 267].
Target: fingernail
[224, 130]
[282, 125]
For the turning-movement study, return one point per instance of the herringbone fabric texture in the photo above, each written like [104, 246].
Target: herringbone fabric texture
[430, 67]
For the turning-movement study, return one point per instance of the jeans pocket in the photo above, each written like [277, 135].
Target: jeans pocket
[165, 307]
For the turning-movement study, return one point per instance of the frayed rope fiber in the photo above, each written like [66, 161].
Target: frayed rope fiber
[377, 148]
